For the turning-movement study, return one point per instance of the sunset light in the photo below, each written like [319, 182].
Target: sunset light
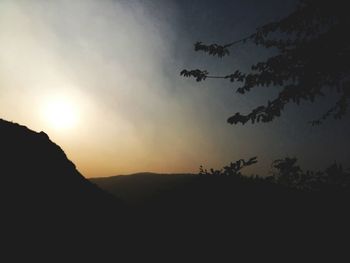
[61, 114]
[177, 130]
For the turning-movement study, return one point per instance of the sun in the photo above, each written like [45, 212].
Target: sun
[60, 113]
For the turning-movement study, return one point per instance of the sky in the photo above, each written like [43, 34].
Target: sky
[101, 78]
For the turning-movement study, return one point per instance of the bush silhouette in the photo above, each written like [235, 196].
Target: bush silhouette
[287, 173]
[233, 169]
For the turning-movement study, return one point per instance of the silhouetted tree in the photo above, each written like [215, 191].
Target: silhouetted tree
[313, 54]
[336, 176]
[288, 173]
[233, 169]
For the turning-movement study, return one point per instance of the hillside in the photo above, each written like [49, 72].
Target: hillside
[226, 200]
[182, 191]
[45, 198]
[140, 188]
[42, 191]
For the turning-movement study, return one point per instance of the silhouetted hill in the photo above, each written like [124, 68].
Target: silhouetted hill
[36, 171]
[182, 190]
[45, 198]
[246, 206]
[139, 188]
[42, 193]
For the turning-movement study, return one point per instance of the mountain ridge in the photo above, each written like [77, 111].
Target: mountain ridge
[36, 175]
[140, 187]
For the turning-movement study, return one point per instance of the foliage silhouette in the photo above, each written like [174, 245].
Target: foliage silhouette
[313, 58]
[290, 174]
[287, 173]
[233, 169]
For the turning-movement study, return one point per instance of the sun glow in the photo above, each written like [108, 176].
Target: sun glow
[61, 113]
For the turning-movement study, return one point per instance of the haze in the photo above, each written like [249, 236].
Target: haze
[114, 66]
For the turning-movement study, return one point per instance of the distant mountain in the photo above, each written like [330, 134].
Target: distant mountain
[210, 198]
[180, 192]
[139, 188]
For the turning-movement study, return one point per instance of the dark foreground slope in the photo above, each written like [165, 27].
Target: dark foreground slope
[36, 174]
[47, 206]
[177, 193]
[224, 210]
[141, 188]
[43, 196]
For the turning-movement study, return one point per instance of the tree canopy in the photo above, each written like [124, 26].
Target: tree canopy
[313, 56]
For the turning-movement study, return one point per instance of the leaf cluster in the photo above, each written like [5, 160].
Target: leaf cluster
[233, 169]
[286, 172]
[313, 58]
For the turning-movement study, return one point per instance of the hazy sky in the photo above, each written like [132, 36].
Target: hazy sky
[101, 78]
